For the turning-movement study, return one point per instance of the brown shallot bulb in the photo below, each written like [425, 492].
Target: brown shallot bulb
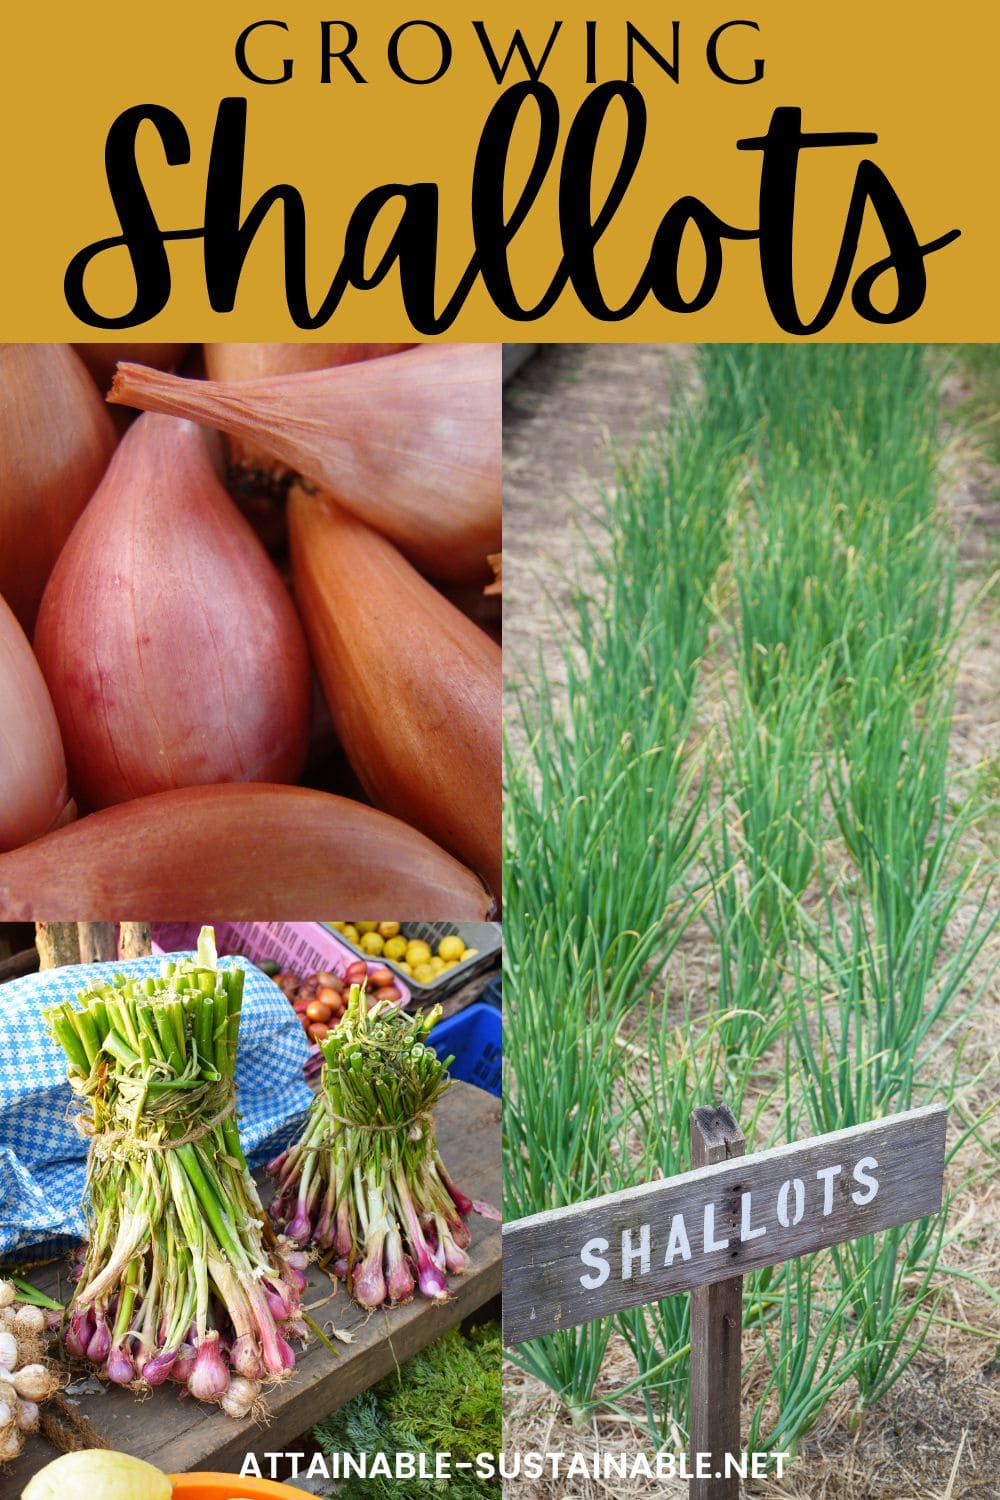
[257, 852]
[168, 642]
[413, 687]
[410, 444]
[35, 795]
[56, 437]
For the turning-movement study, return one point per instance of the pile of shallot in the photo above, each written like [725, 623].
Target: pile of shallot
[280, 577]
[25, 1378]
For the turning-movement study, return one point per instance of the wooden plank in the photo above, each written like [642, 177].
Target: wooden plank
[716, 1330]
[570, 1265]
[181, 1435]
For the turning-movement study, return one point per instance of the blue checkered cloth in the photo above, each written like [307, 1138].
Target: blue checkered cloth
[42, 1156]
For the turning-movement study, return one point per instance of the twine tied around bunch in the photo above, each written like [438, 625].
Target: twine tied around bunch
[413, 1126]
[104, 1142]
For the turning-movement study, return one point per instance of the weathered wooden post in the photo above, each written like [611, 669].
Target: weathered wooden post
[716, 1333]
[702, 1231]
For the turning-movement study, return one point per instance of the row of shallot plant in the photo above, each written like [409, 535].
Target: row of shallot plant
[604, 816]
[828, 863]
[181, 1277]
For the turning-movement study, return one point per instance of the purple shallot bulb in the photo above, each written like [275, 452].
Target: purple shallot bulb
[157, 1370]
[100, 1341]
[209, 1378]
[121, 1370]
[245, 1358]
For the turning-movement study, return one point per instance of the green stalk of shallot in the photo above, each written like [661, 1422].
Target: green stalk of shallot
[365, 1182]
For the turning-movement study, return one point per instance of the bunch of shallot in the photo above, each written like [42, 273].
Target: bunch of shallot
[181, 1278]
[365, 1182]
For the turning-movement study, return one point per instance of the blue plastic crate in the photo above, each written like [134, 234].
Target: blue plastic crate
[475, 1036]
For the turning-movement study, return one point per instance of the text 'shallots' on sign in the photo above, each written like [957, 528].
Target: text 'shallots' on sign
[571, 1265]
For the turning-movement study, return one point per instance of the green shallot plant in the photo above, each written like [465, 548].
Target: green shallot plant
[365, 1182]
[181, 1277]
[781, 551]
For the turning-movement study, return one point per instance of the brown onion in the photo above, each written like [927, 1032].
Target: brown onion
[410, 444]
[413, 686]
[249, 852]
[257, 361]
[101, 359]
[168, 641]
[56, 437]
[32, 764]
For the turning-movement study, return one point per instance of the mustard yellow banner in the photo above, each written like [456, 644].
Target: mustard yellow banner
[763, 171]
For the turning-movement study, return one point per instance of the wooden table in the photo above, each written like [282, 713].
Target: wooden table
[180, 1435]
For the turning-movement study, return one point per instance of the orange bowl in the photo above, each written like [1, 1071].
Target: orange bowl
[229, 1487]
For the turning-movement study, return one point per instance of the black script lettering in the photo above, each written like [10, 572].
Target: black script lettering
[141, 235]
[228, 237]
[493, 231]
[413, 244]
[241, 54]
[661, 276]
[580, 230]
[781, 148]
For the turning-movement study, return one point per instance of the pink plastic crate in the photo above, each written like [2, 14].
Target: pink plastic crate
[303, 947]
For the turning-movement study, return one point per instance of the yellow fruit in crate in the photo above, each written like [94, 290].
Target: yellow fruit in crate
[469, 953]
[451, 948]
[451, 964]
[417, 952]
[366, 926]
[395, 948]
[437, 964]
[403, 966]
[371, 944]
[388, 929]
[337, 926]
[424, 974]
[350, 932]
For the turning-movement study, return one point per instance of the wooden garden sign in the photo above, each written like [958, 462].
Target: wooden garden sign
[702, 1231]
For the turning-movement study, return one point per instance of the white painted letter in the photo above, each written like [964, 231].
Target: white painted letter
[862, 1174]
[629, 1254]
[798, 1187]
[827, 1174]
[711, 1243]
[677, 1244]
[592, 1255]
[746, 1207]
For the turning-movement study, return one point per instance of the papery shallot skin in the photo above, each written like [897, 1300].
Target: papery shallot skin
[168, 641]
[434, 757]
[33, 790]
[409, 443]
[56, 437]
[252, 851]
